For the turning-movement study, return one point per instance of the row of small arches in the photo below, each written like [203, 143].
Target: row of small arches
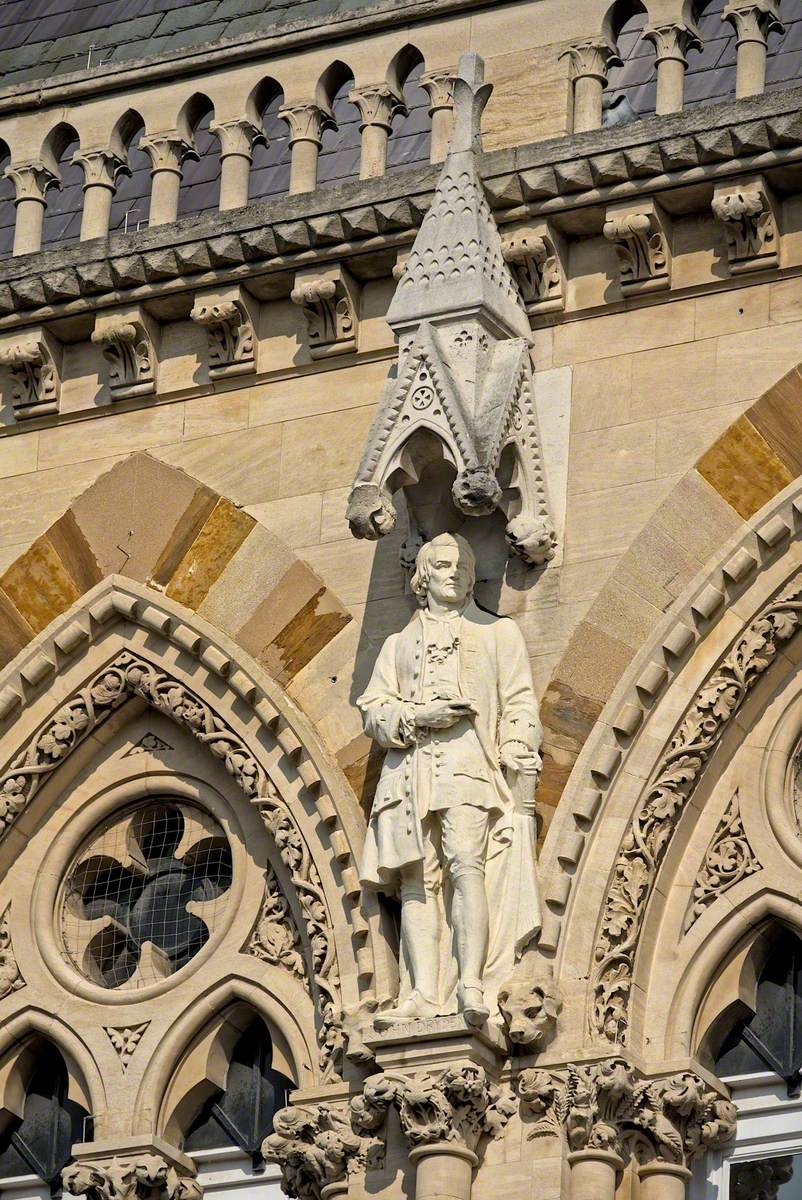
[409, 143]
[710, 76]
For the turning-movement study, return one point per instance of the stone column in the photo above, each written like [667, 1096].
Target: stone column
[439, 86]
[664, 1181]
[590, 62]
[377, 104]
[671, 43]
[102, 169]
[237, 140]
[167, 152]
[593, 1174]
[306, 122]
[443, 1171]
[32, 181]
[753, 21]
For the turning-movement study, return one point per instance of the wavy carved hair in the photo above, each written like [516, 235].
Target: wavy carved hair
[426, 556]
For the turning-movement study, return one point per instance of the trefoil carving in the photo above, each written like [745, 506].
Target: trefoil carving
[641, 235]
[330, 302]
[229, 320]
[749, 215]
[33, 371]
[125, 1040]
[128, 342]
[663, 802]
[463, 386]
[728, 860]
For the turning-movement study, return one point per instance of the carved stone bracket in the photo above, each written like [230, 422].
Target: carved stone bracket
[329, 298]
[538, 259]
[315, 1146]
[606, 1106]
[153, 1173]
[750, 216]
[129, 341]
[728, 860]
[229, 317]
[33, 373]
[641, 234]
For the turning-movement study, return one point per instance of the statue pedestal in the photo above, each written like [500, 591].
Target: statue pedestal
[436, 1042]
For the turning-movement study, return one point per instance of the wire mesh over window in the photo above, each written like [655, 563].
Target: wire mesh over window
[146, 894]
[242, 1113]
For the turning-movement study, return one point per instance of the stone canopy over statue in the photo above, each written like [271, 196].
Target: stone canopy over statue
[452, 826]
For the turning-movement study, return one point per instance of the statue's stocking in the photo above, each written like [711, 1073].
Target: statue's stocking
[420, 936]
[471, 925]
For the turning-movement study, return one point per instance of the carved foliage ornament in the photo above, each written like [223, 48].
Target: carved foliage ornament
[10, 978]
[128, 676]
[538, 271]
[314, 1145]
[129, 353]
[642, 247]
[748, 216]
[276, 939]
[230, 337]
[330, 306]
[600, 1105]
[645, 843]
[728, 860]
[146, 1177]
[125, 1040]
[35, 377]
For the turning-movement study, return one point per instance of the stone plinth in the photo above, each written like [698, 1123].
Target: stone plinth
[437, 1041]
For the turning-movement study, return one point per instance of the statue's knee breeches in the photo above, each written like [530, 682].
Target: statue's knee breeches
[464, 840]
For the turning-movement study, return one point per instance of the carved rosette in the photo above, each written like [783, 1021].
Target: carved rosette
[330, 303]
[537, 262]
[749, 216]
[641, 239]
[129, 352]
[142, 1177]
[34, 374]
[728, 860]
[605, 1106]
[315, 1146]
[128, 676]
[664, 800]
[230, 337]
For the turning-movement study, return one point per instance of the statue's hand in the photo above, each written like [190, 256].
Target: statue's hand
[442, 714]
[515, 756]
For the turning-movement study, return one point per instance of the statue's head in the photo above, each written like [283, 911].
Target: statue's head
[446, 568]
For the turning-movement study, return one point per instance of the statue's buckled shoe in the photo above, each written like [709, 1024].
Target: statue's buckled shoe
[472, 1005]
[415, 1008]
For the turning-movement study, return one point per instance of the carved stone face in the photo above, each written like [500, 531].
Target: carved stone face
[530, 1012]
[449, 577]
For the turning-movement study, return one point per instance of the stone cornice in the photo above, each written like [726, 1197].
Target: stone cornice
[580, 171]
[136, 73]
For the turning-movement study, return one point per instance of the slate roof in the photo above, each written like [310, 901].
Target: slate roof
[40, 38]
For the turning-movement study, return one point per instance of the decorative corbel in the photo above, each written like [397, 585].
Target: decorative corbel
[152, 1171]
[33, 370]
[229, 317]
[129, 341]
[537, 256]
[329, 297]
[750, 216]
[317, 1148]
[641, 234]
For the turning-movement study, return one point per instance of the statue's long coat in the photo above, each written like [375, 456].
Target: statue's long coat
[494, 673]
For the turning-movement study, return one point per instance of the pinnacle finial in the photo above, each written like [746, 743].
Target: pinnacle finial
[471, 94]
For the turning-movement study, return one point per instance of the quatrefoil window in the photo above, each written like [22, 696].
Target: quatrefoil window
[145, 895]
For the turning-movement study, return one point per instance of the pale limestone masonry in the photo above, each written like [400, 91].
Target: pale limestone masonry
[572, 341]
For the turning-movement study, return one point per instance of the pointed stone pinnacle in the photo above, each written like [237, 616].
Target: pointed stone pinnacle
[471, 94]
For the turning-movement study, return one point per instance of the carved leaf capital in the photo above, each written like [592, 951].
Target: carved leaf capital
[592, 58]
[378, 104]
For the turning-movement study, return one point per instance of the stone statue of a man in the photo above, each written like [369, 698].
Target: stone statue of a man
[452, 827]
